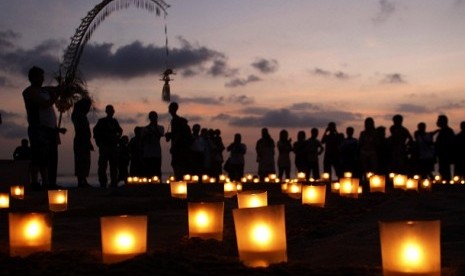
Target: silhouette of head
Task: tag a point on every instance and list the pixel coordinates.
(332, 126)
(350, 132)
(283, 135)
(314, 132)
(36, 76)
(237, 138)
(421, 127)
(196, 129)
(110, 110)
(173, 108)
(153, 116)
(369, 123)
(265, 133)
(397, 120)
(124, 140)
(443, 121)
(82, 106)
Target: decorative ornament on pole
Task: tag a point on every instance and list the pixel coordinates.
(165, 95)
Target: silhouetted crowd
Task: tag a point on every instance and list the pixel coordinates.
(199, 151)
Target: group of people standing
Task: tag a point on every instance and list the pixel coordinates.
(199, 150)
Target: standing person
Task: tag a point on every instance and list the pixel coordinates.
(236, 159)
(198, 150)
(314, 149)
(151, 152)
(459, 167)
(107, 133)
(22, 152)
(181, 139)
(284, 149)
(332, 140)
(350, 153)
(444, 146)
(400, 141)
(301, 159)
(424, 151)
(368, 142)
(82, 144)
(265, 154)
(217, 153)
(42, 129)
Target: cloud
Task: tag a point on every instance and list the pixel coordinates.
(412, 108)
(102, 60)
(305, 106)
(10, 129)
(394, 78)
(242, 82)
(202, 100)
(325, 73)
(241, 99)
(386, 9)
(5, 82)
(265, 66)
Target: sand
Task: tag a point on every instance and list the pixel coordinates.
(340, 239)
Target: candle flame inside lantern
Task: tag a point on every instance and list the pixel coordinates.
(262, 234)
(17, 191)
(32, 230)
(201, 219)
(124, 241)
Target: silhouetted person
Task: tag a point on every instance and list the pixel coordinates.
(424, 151)
(400, 141)
(236, 159)
(136, 167)
(82, 145)
(123, 159)
(367, 142)
(459, 167)
(181, 139)
(217, 148)
(198, 151)
(42, 129)
(107, 133)
(265, 154)
(383, 151)
(350, 153)
(22, 152)
(284, 149)
(332, 140)
(151, 135)
(300, 150)
(314, 149)
(444, 146)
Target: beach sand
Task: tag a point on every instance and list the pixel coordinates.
(340, 239)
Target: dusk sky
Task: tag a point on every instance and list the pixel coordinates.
(242, 65)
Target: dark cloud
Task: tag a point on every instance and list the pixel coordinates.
(202, 100)
(386, 9)
(325, 73)
(103, 60)
(240, 99)
(265, 66)
(394, 78)
(11, 129)
(412, 108)
(222, 117)
(285, 118)
(232, 99)
(242, 82)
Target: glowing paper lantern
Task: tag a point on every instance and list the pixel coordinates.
(294, 190)
(410, 247)
(301, 176)
(349, 187)
(17, 191)
(314, 195)
(347, 174)
(4, 200)
(187, 177)
(411, 184)
(58, 200)
(261, 235)
(206, 220)
(335, 187)
(325, 176)
(239, 186)
(179, 189)
(195, 179)
(29, 233)
(377, 183)
(252, 199)
(222, 178)
(426, 184)
(284, 187)
(123, 237)
(230, 189)
(399, 181)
